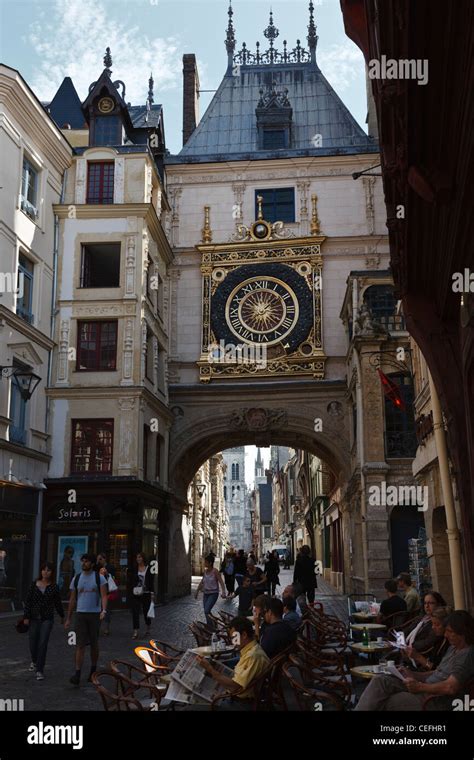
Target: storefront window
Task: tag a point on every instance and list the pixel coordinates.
(16, 541)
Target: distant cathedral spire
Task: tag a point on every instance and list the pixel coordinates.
(259, 471)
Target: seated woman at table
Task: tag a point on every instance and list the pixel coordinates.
(420, 634)
(432, 658)
(387, 692)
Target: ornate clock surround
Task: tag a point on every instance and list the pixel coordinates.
(265, 279)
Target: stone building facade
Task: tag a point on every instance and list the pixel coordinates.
(235, 495)
(35, 157)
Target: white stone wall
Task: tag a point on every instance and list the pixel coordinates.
(351, 213)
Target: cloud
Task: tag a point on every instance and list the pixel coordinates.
(342, 65)
(70, 40)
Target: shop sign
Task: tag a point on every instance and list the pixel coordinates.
(70, 514)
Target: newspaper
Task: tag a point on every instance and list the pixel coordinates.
(192, 684)
(392, 670)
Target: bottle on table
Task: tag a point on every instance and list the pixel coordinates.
(365, 637)
(214, 642)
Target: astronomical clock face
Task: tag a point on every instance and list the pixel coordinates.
(266, 304)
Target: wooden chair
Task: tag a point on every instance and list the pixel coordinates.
(164, 658)
(201, 633)
(151, 660)
(306, 696)
(120, 694)
(174, 653)
(325, 675)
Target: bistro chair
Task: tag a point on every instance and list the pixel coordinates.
(151, 660)
(120, 694)
(325, 675)
(174, 653)
(201, 633)
(306, 696)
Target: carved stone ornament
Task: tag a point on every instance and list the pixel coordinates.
(365, 324)
(257, 418)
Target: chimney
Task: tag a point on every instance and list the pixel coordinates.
(190, 96)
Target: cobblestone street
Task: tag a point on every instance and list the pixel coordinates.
(55, 693)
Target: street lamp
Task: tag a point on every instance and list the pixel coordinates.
(201, 489)
(25, 381)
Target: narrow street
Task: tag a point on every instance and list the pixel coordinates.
(170, 624)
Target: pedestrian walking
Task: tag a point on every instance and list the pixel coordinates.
(272, 570)
(240, 566)
(108, 572)
(142, 594)
(304, 576)
(228, 571)
(286, 566)
(210, 582)
(42, 599)
(89, 598)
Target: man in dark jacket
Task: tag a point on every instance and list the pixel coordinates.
(275, 634)
(303, 574)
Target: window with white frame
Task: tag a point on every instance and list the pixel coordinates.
(29, 189)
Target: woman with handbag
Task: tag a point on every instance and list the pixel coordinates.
(142, 594)
(108, 571)
(42, 599)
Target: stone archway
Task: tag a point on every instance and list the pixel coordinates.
(211, 419)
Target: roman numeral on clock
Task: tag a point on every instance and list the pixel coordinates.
(287, 322)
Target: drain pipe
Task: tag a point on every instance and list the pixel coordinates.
(360, 436)
(454, 544)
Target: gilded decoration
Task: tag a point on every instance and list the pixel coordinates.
(261, 305)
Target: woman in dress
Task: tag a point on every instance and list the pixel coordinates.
(210, 582)
(42, 599)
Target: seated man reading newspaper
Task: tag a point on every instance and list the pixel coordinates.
(252, 663)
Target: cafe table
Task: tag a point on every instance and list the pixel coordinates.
(365, 671)
(372, 649)
(363, 617)
(369, 626)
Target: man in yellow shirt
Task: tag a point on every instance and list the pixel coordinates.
(252, 663)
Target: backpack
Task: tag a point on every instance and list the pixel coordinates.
(97, 580)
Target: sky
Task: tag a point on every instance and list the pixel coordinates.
(47, 40)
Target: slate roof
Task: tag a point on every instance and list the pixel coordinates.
(65, 107)
(138, 114)
(228, 129)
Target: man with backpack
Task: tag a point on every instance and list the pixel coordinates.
(89, 590)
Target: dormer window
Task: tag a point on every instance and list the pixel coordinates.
(107, 130)
(273, 139)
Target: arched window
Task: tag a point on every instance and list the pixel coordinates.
(235, 471)
(225, 492)
(383, 305)
(400, 436)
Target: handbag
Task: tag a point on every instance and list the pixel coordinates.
(151, 610)
(113, 589)
(138, 590)
(21, 626)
